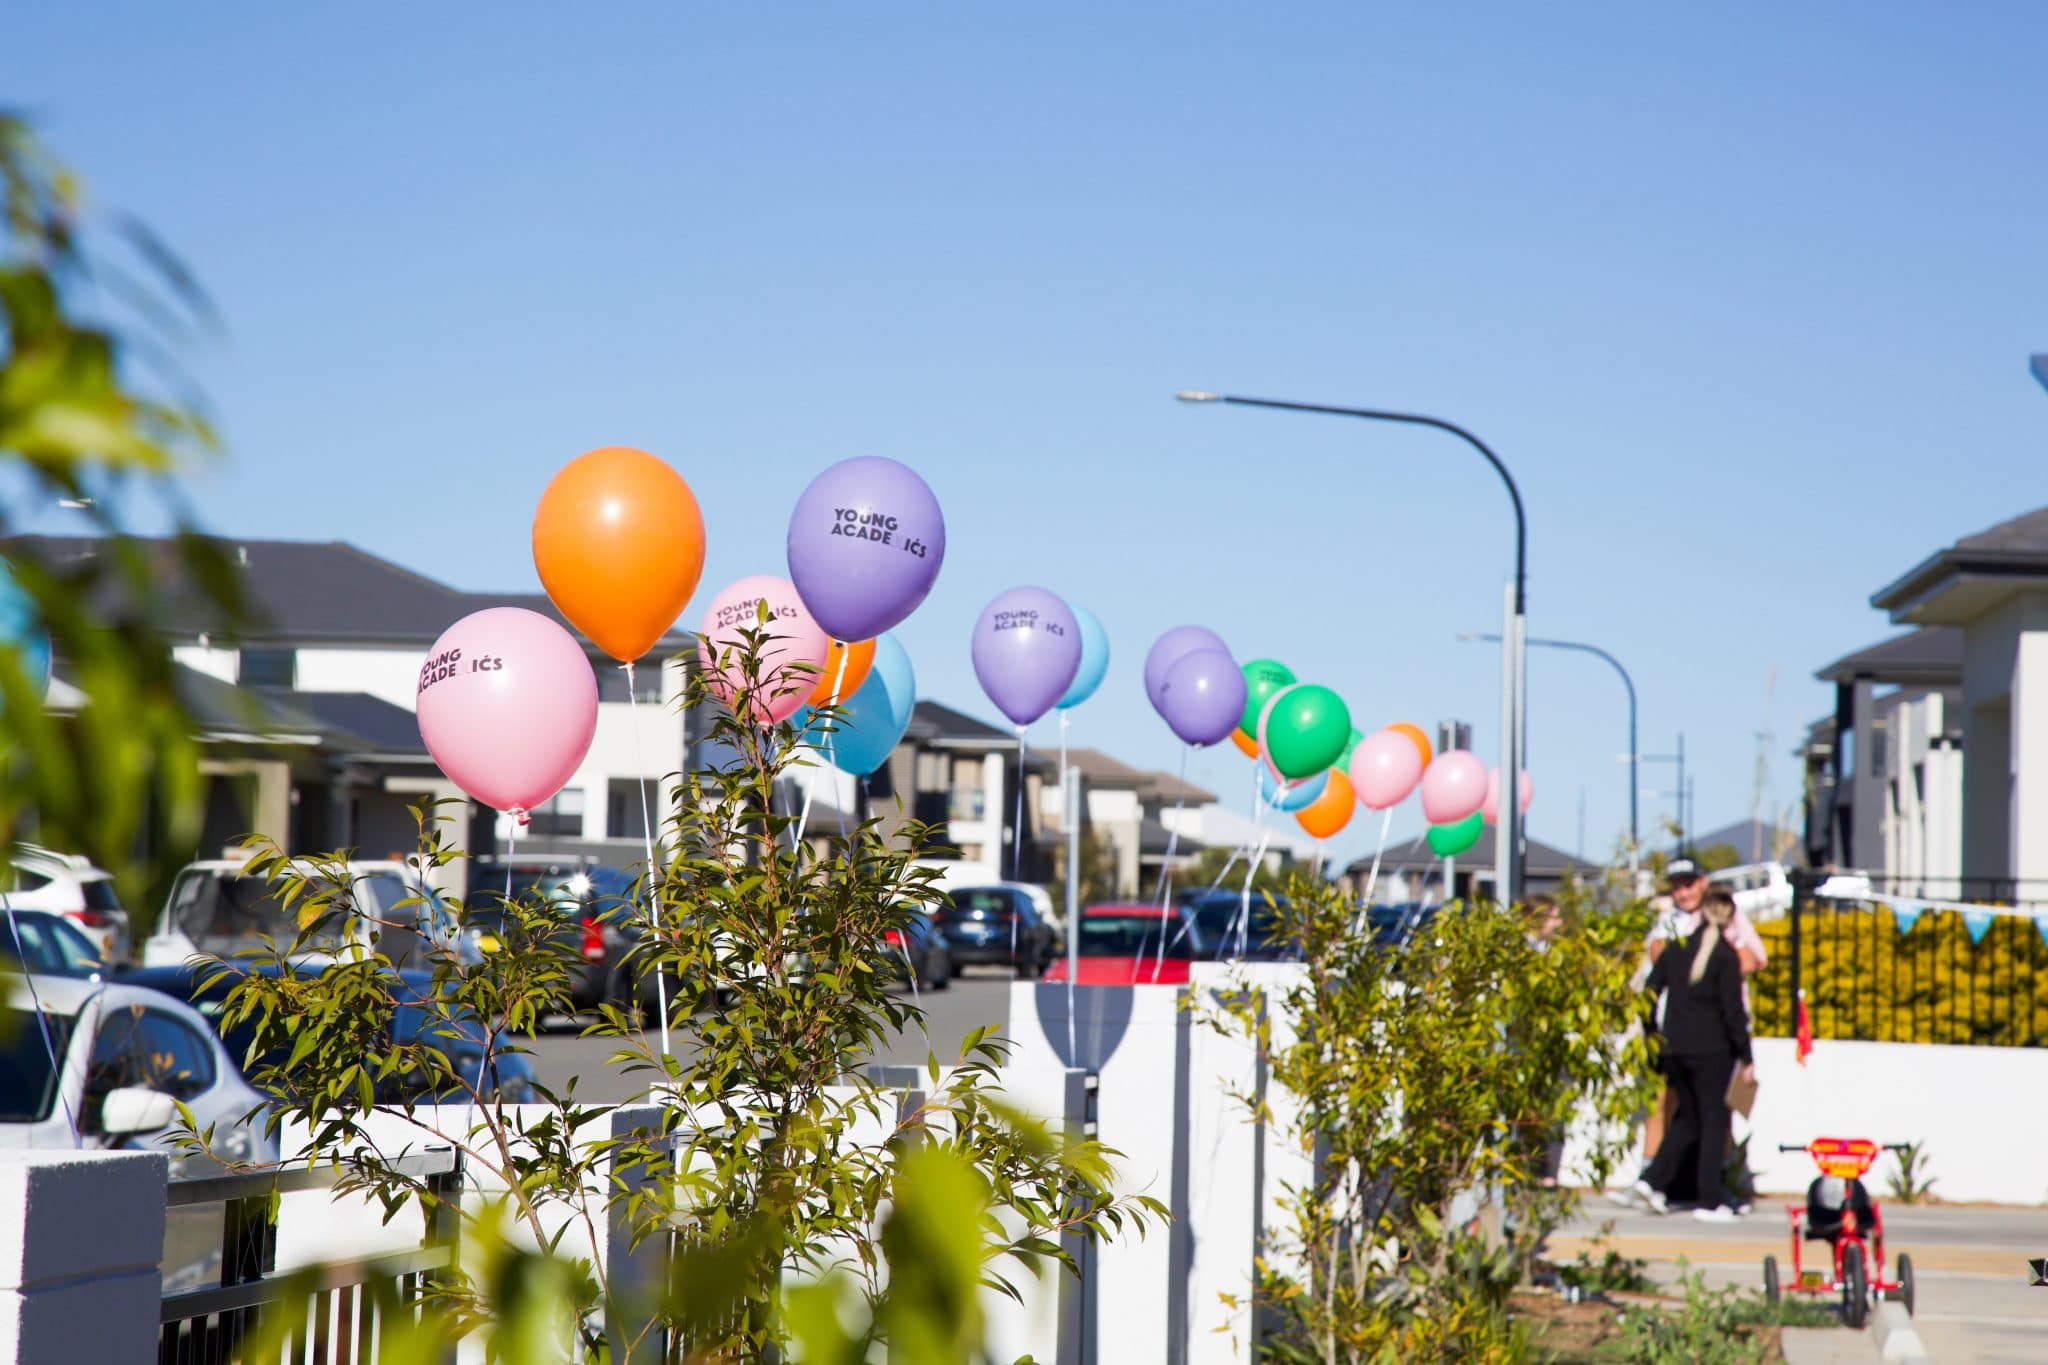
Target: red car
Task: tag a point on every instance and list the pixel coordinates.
(1120, 946)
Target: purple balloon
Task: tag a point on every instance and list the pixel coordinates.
(865, 544)
(1203, 696)
(1168, 650)
(1027, 648)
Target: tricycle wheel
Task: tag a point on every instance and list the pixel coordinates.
(1771, 1280)
(1855, 1286)
(1905, 1294)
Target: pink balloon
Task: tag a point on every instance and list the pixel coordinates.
(1384, 768)
(1490, 807)
(1453, 787)
(795, 639)
(507, 705)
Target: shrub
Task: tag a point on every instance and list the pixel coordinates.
(1423, 1073)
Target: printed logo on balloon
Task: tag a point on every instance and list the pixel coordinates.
(507, 705)
(1026, 651)
(792, 648)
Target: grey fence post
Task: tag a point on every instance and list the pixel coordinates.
(80, 1237)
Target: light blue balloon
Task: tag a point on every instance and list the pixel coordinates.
(1094, 658)
(872, 721)
(21, 630)
(1297, 797)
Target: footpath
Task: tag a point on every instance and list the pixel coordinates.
(1970, 1262)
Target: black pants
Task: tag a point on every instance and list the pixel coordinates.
(1699, 1132)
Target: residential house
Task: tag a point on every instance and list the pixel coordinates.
(1967, 764)
(1884, 774)
(1127, 809)
(310, 702)
(1411, 871)
(960, 775)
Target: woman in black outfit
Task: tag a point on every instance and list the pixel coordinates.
(1706, 1036)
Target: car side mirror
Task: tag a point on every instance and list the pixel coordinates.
(136, 1109)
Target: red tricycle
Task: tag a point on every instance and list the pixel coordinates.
(1839, 1211)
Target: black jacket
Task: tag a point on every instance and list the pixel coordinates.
(1702, 1018)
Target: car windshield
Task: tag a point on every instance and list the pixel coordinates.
(28, 1081)
(1217, 914)
(980, 904)
(1125, 935)
(220, 910)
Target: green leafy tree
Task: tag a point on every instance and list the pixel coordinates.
(1424, 1073)
(95, 415)
(774, 1156)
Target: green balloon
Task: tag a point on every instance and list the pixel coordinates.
(1262, 678)
(1448, 841)
(1343, 763)
(1306, 730)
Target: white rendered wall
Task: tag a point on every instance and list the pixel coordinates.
(1975, 1108)
(225, 664)
(392, 675)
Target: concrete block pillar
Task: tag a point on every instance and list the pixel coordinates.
(80, 1237)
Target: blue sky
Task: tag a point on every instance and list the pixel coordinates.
(1744, 297)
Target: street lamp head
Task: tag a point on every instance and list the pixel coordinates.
(1198, 396)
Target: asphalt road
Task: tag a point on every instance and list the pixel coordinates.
(972, 1001)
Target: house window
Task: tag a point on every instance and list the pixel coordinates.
(611, 683)
(269, 668)
(623, 816)
(561, 815)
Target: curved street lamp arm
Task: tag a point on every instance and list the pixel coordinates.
(1417, 419)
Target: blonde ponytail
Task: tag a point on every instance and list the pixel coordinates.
(1717, 907)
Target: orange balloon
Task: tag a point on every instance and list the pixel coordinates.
(619, 543)
(833, 686)
(1415, 737)
(1246, 745)
(1331, 811)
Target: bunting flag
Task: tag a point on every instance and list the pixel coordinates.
(1905, 915)
(1802, 1033)
(2041, 923)
(1978, 922)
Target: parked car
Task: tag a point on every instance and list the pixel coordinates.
(124, 1057)
(48, 943)
(927, 955)
(595, 904)
(1399, 922)
(1129, 945)
(508, 1077)
(999, 925)
(218, 907)
(72, 887)
(1217, 912)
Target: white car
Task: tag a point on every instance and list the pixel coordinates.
(219, 908)
(123, 1057)
(72, 887)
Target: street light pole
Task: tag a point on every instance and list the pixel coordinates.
(1514, 662)
(1634, 755)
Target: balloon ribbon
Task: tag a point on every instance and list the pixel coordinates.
(647, 840)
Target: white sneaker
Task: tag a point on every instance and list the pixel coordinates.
(1720, 1213)
(1643, 1196)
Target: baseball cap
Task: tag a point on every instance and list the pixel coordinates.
(1681, 870)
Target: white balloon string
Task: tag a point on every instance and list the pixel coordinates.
(647, 843)
(1372, 878)
(1180, 806)
(811, 787)
(1017, 848)
(1073, 929)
